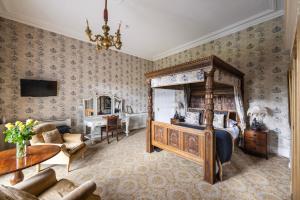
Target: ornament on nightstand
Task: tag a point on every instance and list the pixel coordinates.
(257, 115)
(256, 125)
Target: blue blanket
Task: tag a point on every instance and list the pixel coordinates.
(223, 142)
(223, 145)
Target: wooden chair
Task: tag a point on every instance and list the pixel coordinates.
(111, 126)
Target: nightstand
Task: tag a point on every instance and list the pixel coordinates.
(256, 142)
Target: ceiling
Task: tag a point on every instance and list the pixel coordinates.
(151, 29)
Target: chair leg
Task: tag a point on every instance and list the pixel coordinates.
(107, 137)
(68, 165)
(117, 135)
(38, 168)
(101, 134)
(82, 155)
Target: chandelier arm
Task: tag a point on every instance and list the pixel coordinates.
(114, 40)
(106, 40)
(98, 37)
(92, 39)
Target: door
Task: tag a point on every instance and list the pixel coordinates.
(294, 92)
(164, 105)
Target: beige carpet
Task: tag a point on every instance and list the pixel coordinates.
(124, 171)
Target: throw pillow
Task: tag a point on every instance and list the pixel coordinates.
(192, 118)
(53, 137)
(218, 120)
(10, 193)
(225, 113)
(64, 129)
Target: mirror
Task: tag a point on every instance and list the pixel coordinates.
(103, 105)
(129, 110)
(89, 107)
(118, 105)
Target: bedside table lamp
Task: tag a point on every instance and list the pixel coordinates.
(257, 115)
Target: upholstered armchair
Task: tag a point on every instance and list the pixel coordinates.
(45, 186)
(71, 145)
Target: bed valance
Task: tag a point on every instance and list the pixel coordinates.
(224, 77)
(179, 78)
(194, 71)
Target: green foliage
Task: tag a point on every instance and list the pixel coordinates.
(19, 132)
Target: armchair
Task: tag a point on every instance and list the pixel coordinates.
(71, 148)
(45, 186)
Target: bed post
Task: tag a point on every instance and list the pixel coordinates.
(210, 140)
(149, 146)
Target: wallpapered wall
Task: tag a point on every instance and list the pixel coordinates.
(28, 52)
(257, 51)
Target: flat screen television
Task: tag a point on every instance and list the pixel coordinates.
(38, 88)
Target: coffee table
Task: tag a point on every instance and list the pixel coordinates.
(35, 155)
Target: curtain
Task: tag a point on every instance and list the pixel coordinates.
(187, 96)
(240, 110)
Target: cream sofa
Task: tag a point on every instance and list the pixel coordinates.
(45, 186)
(71, 148)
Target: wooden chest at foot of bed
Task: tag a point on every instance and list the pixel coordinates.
(256, 142)
(186, 142)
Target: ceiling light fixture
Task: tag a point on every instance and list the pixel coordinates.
(105, 41)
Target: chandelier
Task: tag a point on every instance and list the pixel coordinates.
(105, 41)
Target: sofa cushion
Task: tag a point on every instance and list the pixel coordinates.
(37, 138)
(53, 137)
(38, 130)
(74, 147)
(60, 190)
(10, 193)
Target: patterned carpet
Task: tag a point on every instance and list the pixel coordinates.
(124, 171)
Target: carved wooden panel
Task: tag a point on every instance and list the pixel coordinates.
(159, 134)
(191, 143)
(174, 138)
(186, 142)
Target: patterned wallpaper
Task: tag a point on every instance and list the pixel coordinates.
(28, 52)
(257, 51)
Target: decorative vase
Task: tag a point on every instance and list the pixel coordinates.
(21, 149)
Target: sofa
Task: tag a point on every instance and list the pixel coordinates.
(45, 186)
(72, 145)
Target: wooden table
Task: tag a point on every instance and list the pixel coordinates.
(35, 155)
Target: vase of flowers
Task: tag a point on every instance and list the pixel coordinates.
(20, 133)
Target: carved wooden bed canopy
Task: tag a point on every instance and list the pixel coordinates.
(208, 73)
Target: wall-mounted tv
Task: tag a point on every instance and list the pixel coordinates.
(38, 88)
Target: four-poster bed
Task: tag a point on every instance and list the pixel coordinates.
(206, 82)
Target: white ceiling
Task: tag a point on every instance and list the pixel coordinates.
(156, 28)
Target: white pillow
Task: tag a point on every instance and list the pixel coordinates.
(192, 118)
(218, 120)
(231, 123)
